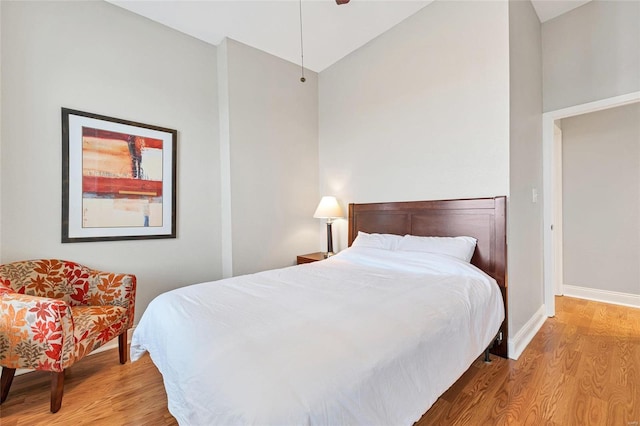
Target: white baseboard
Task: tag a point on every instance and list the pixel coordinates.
(111, 344)
(518, 343)
(605, 296)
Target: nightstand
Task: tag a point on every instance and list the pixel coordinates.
(311, 257)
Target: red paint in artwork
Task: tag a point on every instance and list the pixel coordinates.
(121, 187)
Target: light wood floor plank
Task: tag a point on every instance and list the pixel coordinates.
(582, 368)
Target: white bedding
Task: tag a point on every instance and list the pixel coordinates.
(368, 336)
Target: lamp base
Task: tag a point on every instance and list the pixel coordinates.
(329, 240)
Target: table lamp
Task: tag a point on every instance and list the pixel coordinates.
(328, 209)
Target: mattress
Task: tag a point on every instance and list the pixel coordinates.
(368, 336)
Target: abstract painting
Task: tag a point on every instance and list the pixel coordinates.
(119, 179)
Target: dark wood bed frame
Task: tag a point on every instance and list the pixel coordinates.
(481, 218)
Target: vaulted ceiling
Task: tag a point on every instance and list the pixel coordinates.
(330, 32)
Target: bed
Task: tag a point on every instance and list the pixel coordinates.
(373, 335)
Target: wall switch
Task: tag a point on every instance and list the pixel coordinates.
(534, 195)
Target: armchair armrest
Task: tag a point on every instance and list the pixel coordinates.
(35, 332)
(107, 288)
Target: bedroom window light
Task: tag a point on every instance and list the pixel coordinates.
(329, 209)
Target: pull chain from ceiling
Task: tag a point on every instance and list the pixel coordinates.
(302, 79)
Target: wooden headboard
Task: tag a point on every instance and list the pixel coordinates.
(481, 218)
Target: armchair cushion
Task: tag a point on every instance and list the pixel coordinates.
(95, 326)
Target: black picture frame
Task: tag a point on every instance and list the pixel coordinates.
(118, 179)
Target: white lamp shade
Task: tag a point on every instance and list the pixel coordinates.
(328, 208)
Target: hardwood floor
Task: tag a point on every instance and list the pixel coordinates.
(582, 368)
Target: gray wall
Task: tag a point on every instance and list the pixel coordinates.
(0, 133)
(421, 112)
(525, 164)
(253, 194)
(591, 53)
(273, 159)
(96, 57)
(601, 200)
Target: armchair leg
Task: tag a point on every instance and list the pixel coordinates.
(5, 382)
(122, 347)
(57, 386)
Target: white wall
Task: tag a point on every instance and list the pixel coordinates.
(0, 133)
(421, 112)
(601, 200)
(96, 57)
(273, 159)
(525, 260)
(591, 53)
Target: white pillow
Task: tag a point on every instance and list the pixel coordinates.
(381, 241)
(460, 247)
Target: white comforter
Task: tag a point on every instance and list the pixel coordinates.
(368, 336)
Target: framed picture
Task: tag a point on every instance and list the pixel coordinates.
(118, 179)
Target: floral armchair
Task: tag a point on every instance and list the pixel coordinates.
(54, 312)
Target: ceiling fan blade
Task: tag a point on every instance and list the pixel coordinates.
(342, 1)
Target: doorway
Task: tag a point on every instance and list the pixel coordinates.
(552, 185)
